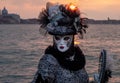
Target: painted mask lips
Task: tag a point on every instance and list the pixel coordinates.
(61, 47)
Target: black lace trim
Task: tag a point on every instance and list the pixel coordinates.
(76, 64)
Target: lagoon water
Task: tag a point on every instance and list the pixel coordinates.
(21, 47)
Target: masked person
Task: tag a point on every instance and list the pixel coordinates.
(63, 62)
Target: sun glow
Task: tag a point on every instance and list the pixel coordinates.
(72, 7)
(76, 42)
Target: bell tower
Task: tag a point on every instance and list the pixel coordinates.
(0, 12)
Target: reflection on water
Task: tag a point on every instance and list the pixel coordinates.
(21, 47)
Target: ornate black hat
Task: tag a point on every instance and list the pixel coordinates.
(59, 19)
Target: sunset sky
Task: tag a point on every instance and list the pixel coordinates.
(93, 9)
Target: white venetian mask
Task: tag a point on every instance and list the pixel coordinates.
(63, 43)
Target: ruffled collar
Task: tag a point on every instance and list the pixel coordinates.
(73, 59)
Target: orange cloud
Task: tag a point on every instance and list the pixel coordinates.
(93, 8)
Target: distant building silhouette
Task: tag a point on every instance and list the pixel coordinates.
(108, 19)
(5, 17)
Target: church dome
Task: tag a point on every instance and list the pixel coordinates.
(4, 11)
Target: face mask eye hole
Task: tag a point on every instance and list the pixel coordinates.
(57, 38)
(66, 38)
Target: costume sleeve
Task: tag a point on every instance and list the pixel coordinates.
(46, 70)
(38, 78)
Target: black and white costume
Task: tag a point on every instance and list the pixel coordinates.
(63, 62)
(56, 68)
